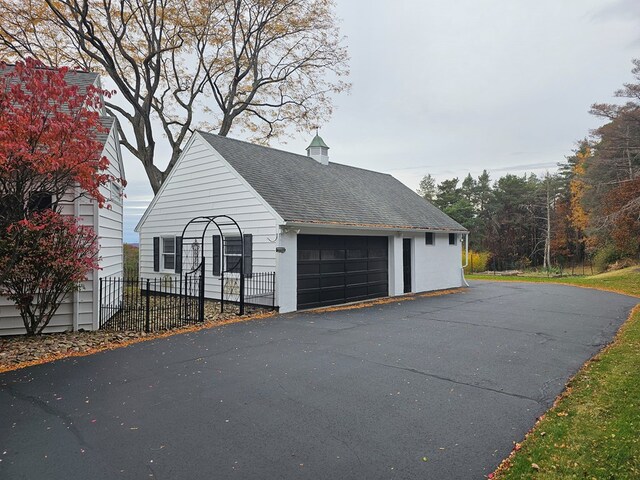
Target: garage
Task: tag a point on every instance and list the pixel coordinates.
(336, 269)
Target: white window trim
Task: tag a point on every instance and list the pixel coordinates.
(162, 254)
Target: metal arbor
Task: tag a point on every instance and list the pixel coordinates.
(191, 254)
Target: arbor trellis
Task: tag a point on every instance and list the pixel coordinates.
(196, 247)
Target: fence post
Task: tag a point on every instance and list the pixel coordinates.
(100, 306)
(273, 290)
(147, 319)
(222, 292)
(201, 293)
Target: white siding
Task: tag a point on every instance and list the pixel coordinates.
(437, 266)
(203, 184)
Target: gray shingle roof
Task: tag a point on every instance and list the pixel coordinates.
(73, 77)
(302, 190)
(82, 80)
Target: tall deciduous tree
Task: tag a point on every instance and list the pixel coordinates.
(261, 65)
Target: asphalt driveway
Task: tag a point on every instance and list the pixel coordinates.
(434, 387)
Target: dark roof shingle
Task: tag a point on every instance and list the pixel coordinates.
(302, 190)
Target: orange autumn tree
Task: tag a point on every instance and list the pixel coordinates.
(49, 153)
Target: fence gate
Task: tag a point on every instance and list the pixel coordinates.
(192, 293)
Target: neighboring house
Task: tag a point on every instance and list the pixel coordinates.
(332, 233)
(81, 310)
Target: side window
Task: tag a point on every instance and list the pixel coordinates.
(452, 239)
(116, 193)
(40, 201)
(232, 253)
(429, 238)
(168, 253)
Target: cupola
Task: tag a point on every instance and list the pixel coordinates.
(318, 150)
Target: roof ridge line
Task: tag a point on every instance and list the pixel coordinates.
(288, 152)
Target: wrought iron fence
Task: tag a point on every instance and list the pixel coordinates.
(259, 289)
(139, 304)
(149, 304)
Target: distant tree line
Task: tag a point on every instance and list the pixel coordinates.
(589, 209)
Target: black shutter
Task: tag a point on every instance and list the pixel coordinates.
(216, 255)
(248, 254)
(178, 262)
(156, 254)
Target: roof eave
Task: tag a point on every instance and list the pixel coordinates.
(365, 226)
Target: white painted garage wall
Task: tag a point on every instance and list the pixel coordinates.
(437, 266)
(434, 267)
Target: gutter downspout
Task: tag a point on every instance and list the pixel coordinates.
(466, 259)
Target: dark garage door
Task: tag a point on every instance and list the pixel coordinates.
(340, 269)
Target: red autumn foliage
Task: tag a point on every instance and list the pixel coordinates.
(48, 137)
(53, 256)
(49, 154)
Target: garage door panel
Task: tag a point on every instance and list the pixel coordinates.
(331, 267)
(357, 278)
(308, 283)
(308, 299)
(332, 294)
(357, 292)
(378, 277)
(332, 281)
(378, 265)
(378, 290)
(357, 266)
(338, 269)
(308, 269)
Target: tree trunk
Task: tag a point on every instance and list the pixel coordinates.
(547, 239)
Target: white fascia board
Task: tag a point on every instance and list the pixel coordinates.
(340, 226)
(116, 134)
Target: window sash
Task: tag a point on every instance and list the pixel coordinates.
(233, 254)
(168, 253)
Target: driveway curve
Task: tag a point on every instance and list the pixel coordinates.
(434, 387)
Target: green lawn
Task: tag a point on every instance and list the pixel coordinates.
(593, 431)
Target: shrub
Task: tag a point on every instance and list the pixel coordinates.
(478, 261)
(51, 255)
(605, 257)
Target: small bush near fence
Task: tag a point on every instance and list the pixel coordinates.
(478, 261)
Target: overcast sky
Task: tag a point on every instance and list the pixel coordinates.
(450, 88)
